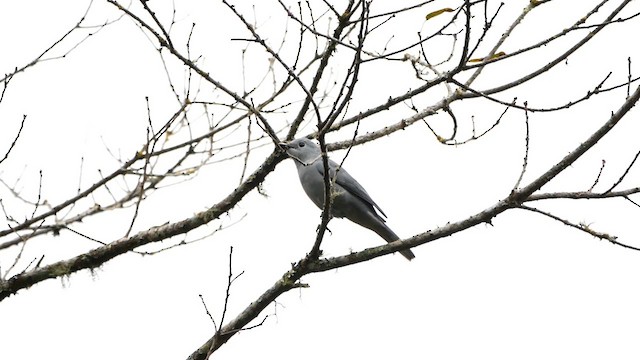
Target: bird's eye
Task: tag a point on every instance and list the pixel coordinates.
(301, 144)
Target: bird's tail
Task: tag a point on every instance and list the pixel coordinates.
(386, 233)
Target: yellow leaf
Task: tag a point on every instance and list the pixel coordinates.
(495, 56)
(438, 12)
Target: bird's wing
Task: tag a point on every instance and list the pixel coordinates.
(348, 183)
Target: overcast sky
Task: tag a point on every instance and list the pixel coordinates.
(524, 287)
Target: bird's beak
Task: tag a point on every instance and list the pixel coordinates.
(284, 146)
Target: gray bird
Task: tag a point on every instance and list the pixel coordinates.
(350, 198)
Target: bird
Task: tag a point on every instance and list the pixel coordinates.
(350, 200)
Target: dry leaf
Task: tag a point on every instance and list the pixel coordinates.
(438, 12)
(495, 56)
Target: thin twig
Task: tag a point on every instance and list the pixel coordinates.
(6, 154)
(525, 162)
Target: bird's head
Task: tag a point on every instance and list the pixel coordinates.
(303, 150)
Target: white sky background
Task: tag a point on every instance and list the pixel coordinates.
(525, 288)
